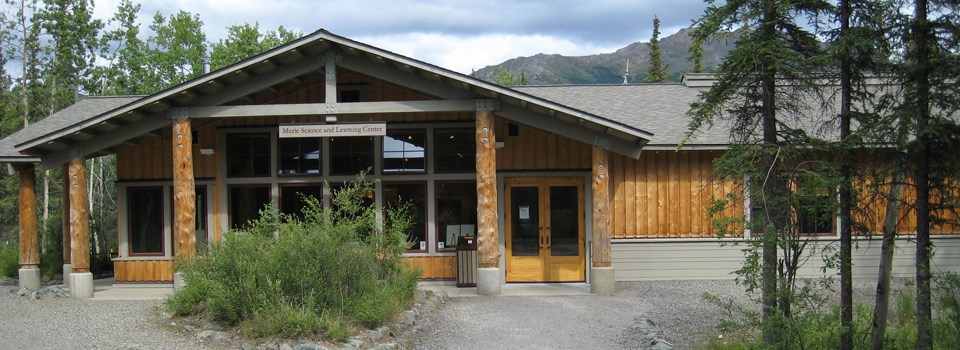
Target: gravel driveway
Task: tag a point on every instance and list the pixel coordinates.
(52, 323)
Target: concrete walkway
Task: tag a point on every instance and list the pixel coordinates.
(509, 290)
(107, 289)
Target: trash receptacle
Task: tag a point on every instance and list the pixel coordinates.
(467, 261)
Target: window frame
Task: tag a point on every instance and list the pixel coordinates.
(436, 209)
(383, 151)
(165, 235)
(279, 158)
(437, 154)
(426, 209)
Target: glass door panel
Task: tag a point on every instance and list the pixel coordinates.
(525, 211)
(564, 221)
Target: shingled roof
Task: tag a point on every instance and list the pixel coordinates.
(82, 110)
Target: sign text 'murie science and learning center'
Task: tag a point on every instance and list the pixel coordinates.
(332, 130)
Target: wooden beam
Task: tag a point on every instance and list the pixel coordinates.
(65, 213)
(79, 216)
(184, 194)
(487, 222)
(29, 242)
(330, 73)
(384, 107)
(601, 208)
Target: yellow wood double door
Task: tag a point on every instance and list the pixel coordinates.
(544, 229)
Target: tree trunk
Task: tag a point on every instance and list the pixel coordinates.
(919, 81)
(771, 187)
(846, 200)
(892, 216)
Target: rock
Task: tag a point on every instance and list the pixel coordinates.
(247, 346)
(661, 344)
(309, 346)
(214, 335)
(353, 344)
(52, 291)
(387, 346)
(24, 291)
(285, 346)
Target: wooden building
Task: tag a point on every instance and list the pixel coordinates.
(559, 183)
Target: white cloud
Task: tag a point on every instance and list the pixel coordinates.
(463, 53)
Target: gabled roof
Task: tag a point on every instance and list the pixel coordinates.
(94, 131)
(75, 113)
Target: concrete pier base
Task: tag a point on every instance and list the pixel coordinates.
(30, 278)
(178, 281)
(67, 269)
(488, 281)
(601, 280)
(81, 285)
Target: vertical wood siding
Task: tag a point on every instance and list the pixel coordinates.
(665, 194)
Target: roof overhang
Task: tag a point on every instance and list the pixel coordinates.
(240, 83)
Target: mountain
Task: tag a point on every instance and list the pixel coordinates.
(608, 68)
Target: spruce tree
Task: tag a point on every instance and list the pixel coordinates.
(748, 97)
(657, 72)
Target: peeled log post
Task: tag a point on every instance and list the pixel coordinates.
(184, 193)
(601, 208)
(29, 243)
(79, 217)
(65, 216)
(487, 225)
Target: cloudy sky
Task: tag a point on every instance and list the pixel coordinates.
(455, 34)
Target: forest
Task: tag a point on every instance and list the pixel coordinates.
(55, 52)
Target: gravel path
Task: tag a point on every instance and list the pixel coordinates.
(51, 323)
(580, 322)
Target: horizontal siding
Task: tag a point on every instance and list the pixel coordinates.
(653, 260)
(143, 270)
(435, 267)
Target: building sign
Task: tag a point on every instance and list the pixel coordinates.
(333, 130)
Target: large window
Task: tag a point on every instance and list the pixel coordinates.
(455, 151)
(414, 194)
(404, 151)
(351, 155)
(299, 156)
(248, 155)
(293, 197)
(456, 205)
(246, 202)
(145, 217)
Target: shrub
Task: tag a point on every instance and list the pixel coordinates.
(946, 326)
(9, 259)
(331, 270)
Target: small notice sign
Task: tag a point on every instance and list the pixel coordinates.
(524, 213)
(333, 130)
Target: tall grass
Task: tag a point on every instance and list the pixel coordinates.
(9, 259)
(815, 324)
(331, 270)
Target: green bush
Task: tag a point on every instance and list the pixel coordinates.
(330, 270)
(9, 259)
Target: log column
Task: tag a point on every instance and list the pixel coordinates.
(65, 223)
(81, 280)
(184, 194)
(488, 255)
(29, 242)
(601, 270)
